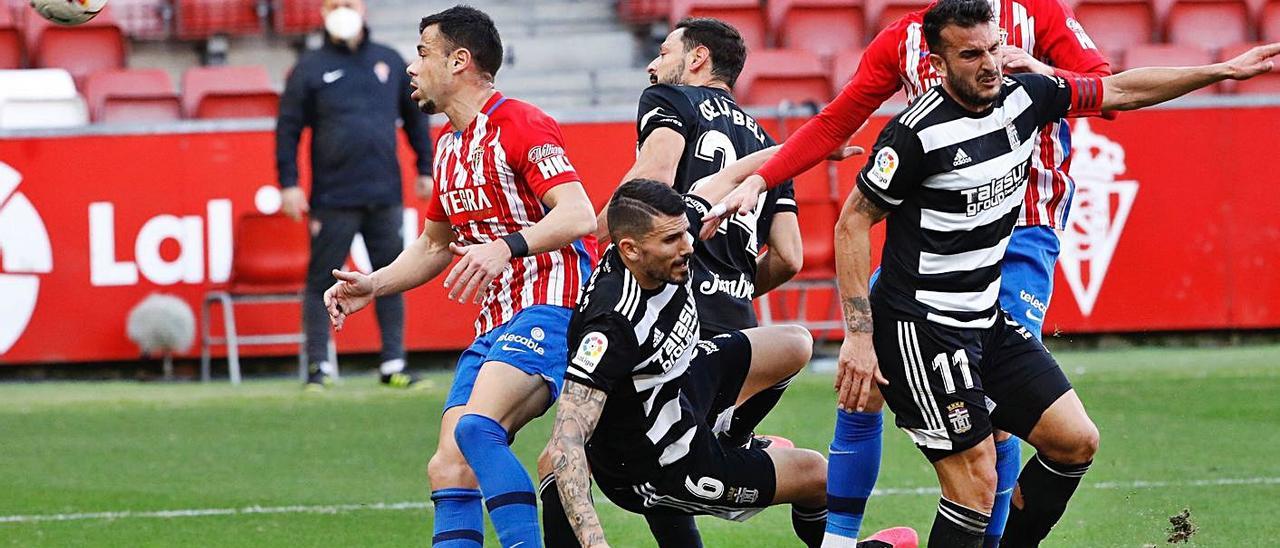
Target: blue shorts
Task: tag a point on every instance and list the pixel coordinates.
(1026, 277)
(535, 341)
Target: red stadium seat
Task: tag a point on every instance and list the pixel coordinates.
(643, 11)
(882, 13)
(142, 19)
(810, 298)
(10, 40)
(1115, 25)
(199, 19)
(745, 15)
(771, 76)
(843, 66)
(137, 95)
(817, 229)
(269, 265)
(82, 49)
(823, 27)
(296, 16)
(1169, 55)
(1263, 83)
(228, 92)
(1210, 24)
(1269, 22)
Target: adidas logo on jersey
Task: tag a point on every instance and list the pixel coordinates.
(961, 158)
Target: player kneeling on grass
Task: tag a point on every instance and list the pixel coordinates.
(643, 396)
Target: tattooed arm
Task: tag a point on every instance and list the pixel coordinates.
(857, 366)
(580, 408)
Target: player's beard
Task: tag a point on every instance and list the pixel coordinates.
(968, 91)
(427, 107)
(672, 78)
(671, 275)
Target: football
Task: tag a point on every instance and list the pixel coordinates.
(68, 12)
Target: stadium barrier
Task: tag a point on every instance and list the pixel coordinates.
(1174, 227)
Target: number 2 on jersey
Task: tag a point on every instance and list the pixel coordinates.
(716, 148)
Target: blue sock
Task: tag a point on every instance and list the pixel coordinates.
(852, 468)
(459, 519)
(508, 491)
(1008, 466)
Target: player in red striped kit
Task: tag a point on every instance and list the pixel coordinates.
(509, 203)
(1039, 36)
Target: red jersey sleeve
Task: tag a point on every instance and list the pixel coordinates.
(435, 210)
(874, 82)
(1062, 41)
(535, 150)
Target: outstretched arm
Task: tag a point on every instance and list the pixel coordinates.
(580, 408)
(735, 190)
(1143, 87)
(423, 260)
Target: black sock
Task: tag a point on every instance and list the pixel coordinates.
(556, 530)
(809, 524)
(956, 526)
(1045, 486)
(674, 531)
(748, 415)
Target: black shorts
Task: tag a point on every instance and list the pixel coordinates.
(727, 482)
(719, 368)
(950, 386)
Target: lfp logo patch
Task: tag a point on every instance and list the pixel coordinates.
(591, 351)
(886, 164)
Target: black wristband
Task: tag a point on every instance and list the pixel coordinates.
(519, 247)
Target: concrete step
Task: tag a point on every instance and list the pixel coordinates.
(511, 19)
(552, 54)
(407, 30)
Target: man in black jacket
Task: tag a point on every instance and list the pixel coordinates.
(350, 92)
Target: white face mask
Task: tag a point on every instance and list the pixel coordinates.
(343, 23)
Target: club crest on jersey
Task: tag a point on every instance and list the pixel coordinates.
(959, 417)
(591, 351)
(382, 71)
(1014, 140)
(886, 164)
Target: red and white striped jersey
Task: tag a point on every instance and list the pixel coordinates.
(490, 180)
(898, 58)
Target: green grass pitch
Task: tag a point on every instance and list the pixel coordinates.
(129, 464)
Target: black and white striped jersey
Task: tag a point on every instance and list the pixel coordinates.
(636, 345)
(717, 132)
(953, 181)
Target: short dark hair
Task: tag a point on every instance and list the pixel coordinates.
(636, 203)
(962, 13)
(728, 50)
(466, 27)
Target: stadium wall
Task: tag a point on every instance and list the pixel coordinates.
(1174, 227)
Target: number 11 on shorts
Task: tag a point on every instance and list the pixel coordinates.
(960, 361)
